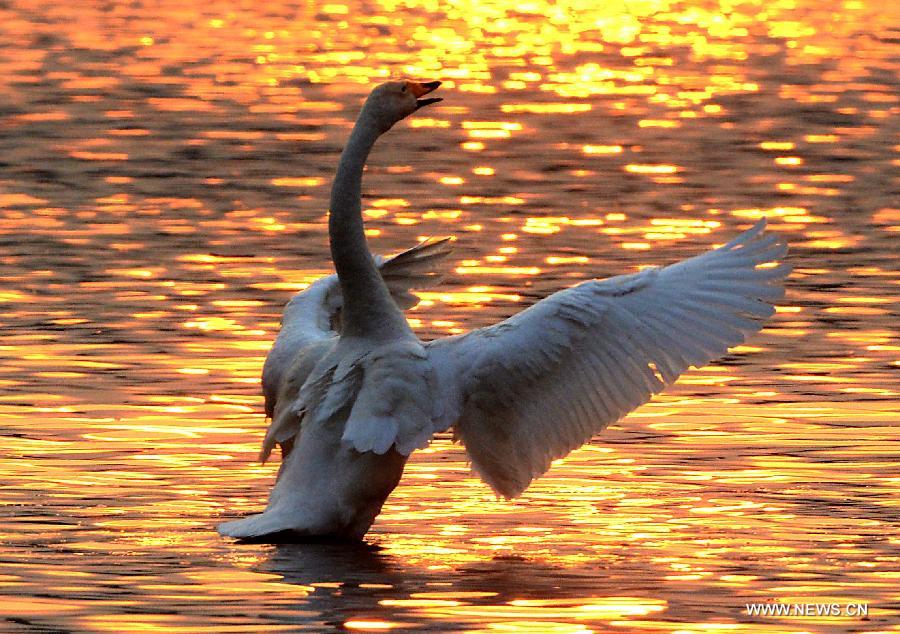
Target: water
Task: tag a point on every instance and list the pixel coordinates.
(164, 170)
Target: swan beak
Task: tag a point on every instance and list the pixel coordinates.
(420, 89)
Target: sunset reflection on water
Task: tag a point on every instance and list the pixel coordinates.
(165, 172)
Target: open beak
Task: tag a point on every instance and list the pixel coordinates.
(420, 89)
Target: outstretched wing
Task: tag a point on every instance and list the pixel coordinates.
(314, 314)
(530, 389)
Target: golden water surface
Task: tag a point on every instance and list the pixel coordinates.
(164, 169)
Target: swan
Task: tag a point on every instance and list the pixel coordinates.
(518, 394)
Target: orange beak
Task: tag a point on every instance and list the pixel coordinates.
(420, 89)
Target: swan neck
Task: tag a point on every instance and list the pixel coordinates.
(365, 295)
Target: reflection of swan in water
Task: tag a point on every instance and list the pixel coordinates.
(347, 563)
(360, 582)
(518, 394)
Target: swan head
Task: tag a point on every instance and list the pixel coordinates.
(395, 100)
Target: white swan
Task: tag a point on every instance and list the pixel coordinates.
(518, 394)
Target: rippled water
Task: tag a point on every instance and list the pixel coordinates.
(164, 169)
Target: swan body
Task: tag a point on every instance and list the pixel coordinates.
(518, 394)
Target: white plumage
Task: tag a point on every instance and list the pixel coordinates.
(518, 394)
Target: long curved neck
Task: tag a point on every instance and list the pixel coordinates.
(367, 303)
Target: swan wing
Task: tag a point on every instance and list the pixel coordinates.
(285, 423)
(532, 388)
(381, 397)
(417, 267)
(392, 404)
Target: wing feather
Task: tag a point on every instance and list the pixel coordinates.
(530, 389)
